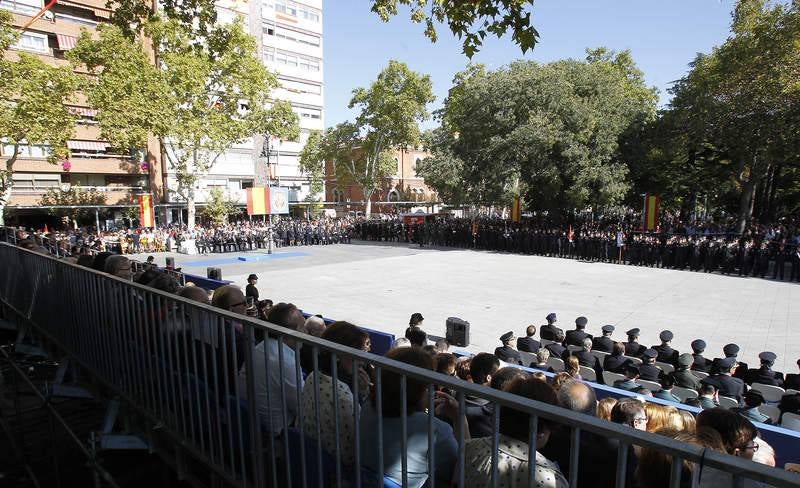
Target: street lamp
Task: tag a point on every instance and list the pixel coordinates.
(268, 149)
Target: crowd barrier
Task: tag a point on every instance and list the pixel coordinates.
(173, 362)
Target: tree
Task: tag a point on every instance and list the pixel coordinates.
(311, 164)
(549, 132)
(75, 196)
(218, 207)
(361, 151)
(471, 20)
(32, 110)
(207, 93)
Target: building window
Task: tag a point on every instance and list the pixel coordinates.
(269, 55)
(31, 41)
(301, 87)
(28, 150)
(288, 7)
(25, 7)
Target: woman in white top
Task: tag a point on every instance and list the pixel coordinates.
(346, 334)
(513, 462)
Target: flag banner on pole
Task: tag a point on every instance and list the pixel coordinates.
(516, 210)
(146, 218)
(651, 212)
(258, 201)
(278, 200)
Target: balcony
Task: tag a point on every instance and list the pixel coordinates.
(114, 195)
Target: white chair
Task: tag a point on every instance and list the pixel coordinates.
(572, 348)
(791, 392)
(556, 363)
(771, 411)
(684, 393)
(545, 342)
(791, 421)
(666, 368)
(609, 378)
(636, 361)
(527, 358)
(588, 374)
(700, 374)
(650, 385)
(600, 355)
(772, 394)
(727, 402)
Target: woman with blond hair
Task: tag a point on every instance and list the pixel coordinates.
(662, 417)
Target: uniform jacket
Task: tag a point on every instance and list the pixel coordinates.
(740, 373)
(628, 385)
(792, 382)
(701, 363)
(548, 332)
(634, 349)
(556, 349)
(666, 354)
(702, 402)
(686, 379)
(650, 372)
(528, 344)
(666, 395)
(603, 344)
(764, 375)
(753, 415)
(615, 364)
(508, 354)
(575, 337)
(727, 385)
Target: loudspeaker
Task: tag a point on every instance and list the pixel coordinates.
(170, 263)
(214, 274)
(457, 331)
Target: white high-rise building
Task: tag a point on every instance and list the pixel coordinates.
(289, 37)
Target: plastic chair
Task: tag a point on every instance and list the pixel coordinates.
(588, 374)
(527, 358)
(545, 342)
(772, 394)
(601, 355)
(700, 374)
(791, 421)
(636, 361)
(727, 402)
(556, 363)
(684, 393)
(771, 411)
(572, 348)
(665, 367)
(609, 378)
(650, 385)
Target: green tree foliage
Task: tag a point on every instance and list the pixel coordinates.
(311, 163)
(32, 110)
(74, 196)
(219, 206)
(471, 21)
(549, 132)
(389, 113)
(733, 118)
(207, 93)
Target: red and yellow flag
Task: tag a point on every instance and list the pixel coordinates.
(258, 201)
(146, 218)
(651, 212)
(516, 210)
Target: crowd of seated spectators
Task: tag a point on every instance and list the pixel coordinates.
(344, 387)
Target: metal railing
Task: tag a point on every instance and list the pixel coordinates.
(189, 373)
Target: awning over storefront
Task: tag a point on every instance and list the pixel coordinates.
(65, 42)
(87, 145)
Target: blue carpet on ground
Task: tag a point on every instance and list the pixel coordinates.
(217, 261)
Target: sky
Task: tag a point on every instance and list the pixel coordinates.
(663, 36)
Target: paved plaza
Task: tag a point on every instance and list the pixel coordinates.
(379, 285)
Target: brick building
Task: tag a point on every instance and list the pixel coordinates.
(94, 163)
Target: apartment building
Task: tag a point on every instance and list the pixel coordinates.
(289, 37)
(94, 164)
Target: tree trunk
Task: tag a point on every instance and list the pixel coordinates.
(771, 207)
(745, 203)
(190, 210)
(367, 204)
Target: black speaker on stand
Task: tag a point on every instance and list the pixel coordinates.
(457, 331)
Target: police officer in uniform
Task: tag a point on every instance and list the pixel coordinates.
(586, 358)
(549, 331)
(632, 347)
(730, 351)
(604, 343)
(508, 351)
(648, 370)
(666, 354)
(575, 337)
(700, 363)
(764, 374)
(727, 385)
(752, 400)
(683, 376)
(556, 348)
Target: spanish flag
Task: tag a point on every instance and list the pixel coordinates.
(651, 212)
(516, 210)
(258, 201)
(146, 218)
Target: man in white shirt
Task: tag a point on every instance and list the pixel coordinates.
(267, 356)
